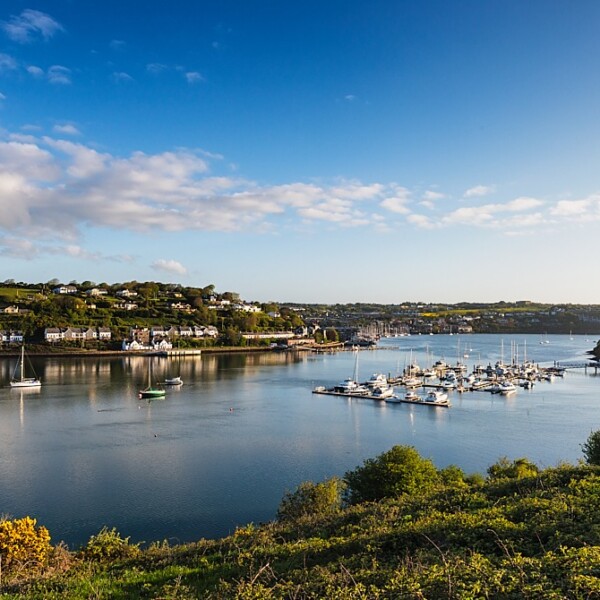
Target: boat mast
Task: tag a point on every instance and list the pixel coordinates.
(22, 362)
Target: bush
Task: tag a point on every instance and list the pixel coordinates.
(21, 542)
(504, 469)
(108, 544)
(591, 448)
(400, 470)
(311, 499)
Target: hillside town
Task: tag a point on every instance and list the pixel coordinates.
(135, 316)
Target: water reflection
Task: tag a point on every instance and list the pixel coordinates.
(84, 451)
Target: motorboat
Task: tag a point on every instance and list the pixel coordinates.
(437, 398)
(412, 396)
(382, 392)
(174, 381)
(507, 387)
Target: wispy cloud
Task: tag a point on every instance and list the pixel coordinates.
(66, 129)
(156, 68)
(117, 45)
(59, 75)
(169, 266)
(194, 77)
(7, 63)
(479, 190)
(122, 77)
(29, 25)
(35, 71)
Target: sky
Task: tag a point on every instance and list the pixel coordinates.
(318, 151)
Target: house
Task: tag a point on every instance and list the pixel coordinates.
(15, 337)
(180, 306)
(65, 289)
(53, 334)
(97, 292)
(186, 332)
(126, 305)
(140, 334)
(89, 334)
(126, 294)
(73, 333)
(158, 330)
(104, 333)
(172, 332)
(11, 310)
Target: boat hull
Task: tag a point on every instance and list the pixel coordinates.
(26, 383)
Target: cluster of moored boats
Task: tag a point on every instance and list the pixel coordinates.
(22, 380)
(442, 378)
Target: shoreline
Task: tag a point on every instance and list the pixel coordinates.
(98, 353)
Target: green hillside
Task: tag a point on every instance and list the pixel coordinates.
(517, 534)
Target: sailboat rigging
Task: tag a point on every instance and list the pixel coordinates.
(21, 381)
(150, 391)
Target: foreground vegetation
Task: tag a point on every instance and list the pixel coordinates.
(395, 527)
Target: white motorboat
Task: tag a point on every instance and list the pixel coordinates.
(174, 381)
(382, 392)
(437, 398)
(507, 387)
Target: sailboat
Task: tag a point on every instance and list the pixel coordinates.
(149, 391)
(22, 381)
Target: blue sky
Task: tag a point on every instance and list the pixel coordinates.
(337, 151)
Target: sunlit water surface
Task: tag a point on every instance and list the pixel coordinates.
(84, 451)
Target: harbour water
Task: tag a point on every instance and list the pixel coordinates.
(84, 451)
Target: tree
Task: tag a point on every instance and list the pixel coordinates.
(401, 470)
(591, 448)
(311, 499)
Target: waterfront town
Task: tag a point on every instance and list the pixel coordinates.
(151, 315)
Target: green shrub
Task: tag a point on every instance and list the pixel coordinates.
(21, 542)
(401, 470)
(108, 544)
(311, 499)
(504, 469)
(591, 448)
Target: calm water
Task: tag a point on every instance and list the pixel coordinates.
(84, 451)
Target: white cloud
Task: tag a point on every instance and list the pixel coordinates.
(60, 75)
(117, 44)
(55, 188)
(479, 190)
(122, 77)
(350, 97)
(194, 77)
(35, 71)
(421, 221)
(67, 129)
(430, 195)
(170, 266)
(7, 63)
(396, 204)
(29, 25)
(2, 96)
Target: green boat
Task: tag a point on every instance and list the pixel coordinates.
(150, 391)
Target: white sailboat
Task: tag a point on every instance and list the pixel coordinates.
(21, 381)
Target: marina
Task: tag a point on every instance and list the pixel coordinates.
(221, 450)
